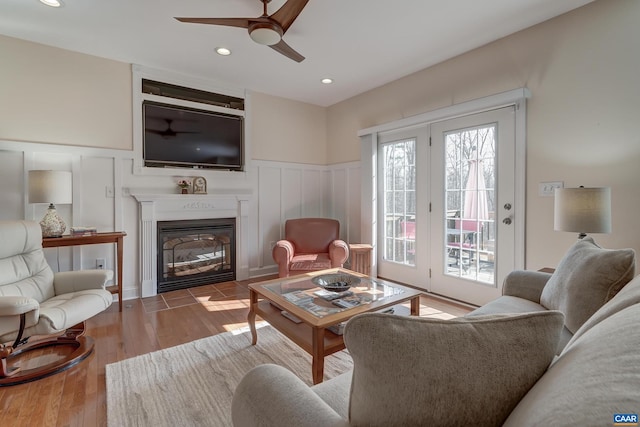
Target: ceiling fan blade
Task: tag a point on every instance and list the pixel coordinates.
(229, 22)
(287, 51)
(288, 13)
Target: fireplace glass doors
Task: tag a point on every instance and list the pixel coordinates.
(195, 252)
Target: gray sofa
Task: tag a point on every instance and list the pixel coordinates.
(556, 349)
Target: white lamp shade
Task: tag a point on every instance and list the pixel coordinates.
(583, 210)
(48, 186)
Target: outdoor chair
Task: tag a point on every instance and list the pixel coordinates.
(462, 241)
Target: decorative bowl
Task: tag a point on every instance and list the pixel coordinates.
(336, 282)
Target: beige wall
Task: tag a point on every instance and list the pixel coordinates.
(61, 97)
(287, 131)
(57, 96)
(583, 118)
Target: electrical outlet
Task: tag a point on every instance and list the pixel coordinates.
(101, 263)
(546, 189)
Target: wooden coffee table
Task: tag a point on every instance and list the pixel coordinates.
(311, 334)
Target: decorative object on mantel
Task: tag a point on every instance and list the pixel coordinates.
(199, 185)
(51, 186)
(184, 185)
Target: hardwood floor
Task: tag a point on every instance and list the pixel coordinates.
(77, 397)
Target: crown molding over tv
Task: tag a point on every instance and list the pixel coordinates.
(176, 134)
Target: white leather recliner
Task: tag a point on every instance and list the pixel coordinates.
(39, 308)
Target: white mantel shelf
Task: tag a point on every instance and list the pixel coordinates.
(172, 207)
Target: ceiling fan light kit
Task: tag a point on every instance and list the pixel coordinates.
(265, 33)
(266, 29)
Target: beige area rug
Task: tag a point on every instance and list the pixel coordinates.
(192, 384)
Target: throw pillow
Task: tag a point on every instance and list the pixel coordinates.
(587, 277)
(465, 371)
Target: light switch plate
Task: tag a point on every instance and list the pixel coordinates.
(546, 189)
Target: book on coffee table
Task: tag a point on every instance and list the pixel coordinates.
(298, 297)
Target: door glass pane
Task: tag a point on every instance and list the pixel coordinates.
(399, 170)
(469, 249)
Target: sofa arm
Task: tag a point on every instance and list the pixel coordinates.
(525, 284)
(73, 281)
(282, 254)
(270, 395)
(338, 253)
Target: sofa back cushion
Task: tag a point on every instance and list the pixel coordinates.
(312, 235)
(595, 377)
(23, 269)
(587, 277)
(465, 371)
(628, 296)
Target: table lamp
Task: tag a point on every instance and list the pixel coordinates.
(582, 210)
(48, 186)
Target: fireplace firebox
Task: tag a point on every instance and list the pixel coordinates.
(195, 252)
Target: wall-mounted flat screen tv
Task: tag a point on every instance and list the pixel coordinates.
(175, 136)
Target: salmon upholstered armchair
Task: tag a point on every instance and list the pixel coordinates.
(310, 244)
(39, 308)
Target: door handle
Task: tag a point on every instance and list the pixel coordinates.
(507, 220)
(507, 206)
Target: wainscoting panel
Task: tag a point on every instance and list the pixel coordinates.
(291, 193)
(312, 193)
(353, 203)
(269, 213)
(339, 200)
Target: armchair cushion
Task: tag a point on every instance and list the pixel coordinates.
(66, 310)
(465, 371)
(586, 278)
(311, 235)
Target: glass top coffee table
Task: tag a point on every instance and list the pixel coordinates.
(314, 302)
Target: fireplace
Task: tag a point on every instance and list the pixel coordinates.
(159, 208)
(195, 252)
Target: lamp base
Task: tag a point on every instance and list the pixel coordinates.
(52, 225)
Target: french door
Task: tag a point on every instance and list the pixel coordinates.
(447, 205)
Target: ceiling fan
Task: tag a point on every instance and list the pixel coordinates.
(266, 29)
(168, 132)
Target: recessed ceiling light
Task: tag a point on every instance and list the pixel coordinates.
(52, 3)
(223, 51)
(327, 81)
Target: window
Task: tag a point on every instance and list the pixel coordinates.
(399, 169)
